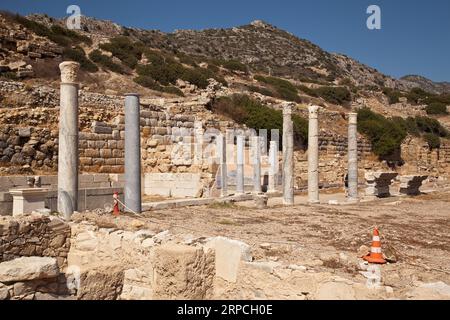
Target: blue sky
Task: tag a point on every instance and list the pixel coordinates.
(414, 39)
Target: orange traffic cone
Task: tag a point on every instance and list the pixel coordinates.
(116, 210)
(375, 255)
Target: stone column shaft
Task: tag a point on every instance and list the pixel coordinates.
(352, 157)
(256, 162)
(132, 154)
(313, 155)
(273, 173)
(68, 141)
(222, 151)
(198, 143)
(240, 165)
(288, 156)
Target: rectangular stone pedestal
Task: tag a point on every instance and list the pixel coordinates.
(28, 200)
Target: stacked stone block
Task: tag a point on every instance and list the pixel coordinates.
(410, 185)
(34, 235)
(378, 183)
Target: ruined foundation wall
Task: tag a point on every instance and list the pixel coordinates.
(34, 235)
(420, 159)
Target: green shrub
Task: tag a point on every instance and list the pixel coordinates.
(199, 77)
(385, 135)
(429, 125)
(56, 33)
(234, 65)
(213, 68)
(10, 75)
(437, 108)
(184, 58)
(148, 82)
(261, 90)
(124, 49)
(416, 95)
(308, 91)
(335, 95)
(346, 82)
(174, 90)
(392, 95)
(245, 110)
(75, 37)
(105, 61)
(77, 54)
(443, 98)
(166, 70)
(284, 89)
(409, 124)
(434, 142)
(165, 74)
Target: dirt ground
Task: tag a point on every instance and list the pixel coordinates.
(414, 231)
(415, 235)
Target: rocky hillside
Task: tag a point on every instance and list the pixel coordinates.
(415, 81)
(268, 49)
(259, 45)
(241, 74)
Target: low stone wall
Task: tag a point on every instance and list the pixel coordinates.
(34, 235)
(29, 278)
(33, 254)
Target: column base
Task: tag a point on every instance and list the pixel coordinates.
(288, 203)
(353, 200)
(313, 201)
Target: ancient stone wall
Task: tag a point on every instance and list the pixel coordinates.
(333, 160)
(29, 138)
(420, 159)
(34, 235)
(33, 252)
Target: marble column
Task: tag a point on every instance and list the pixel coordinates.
(313, 155)
(256, 162)
(352, 157)
(288, 156)
(132, 190)
(222, 152)
(240, 165)
(273, 172)
(68, 140)
(198, 143)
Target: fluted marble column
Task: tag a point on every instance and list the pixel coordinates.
(352, 157)
(256, 162)
(240, 144)
(132, 154)
(313, 155)
(288, 156)
(68, 140)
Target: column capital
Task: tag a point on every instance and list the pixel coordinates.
(131, 94)
(69, 71)
(287, 108)
(352, 118)
(313, 111)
